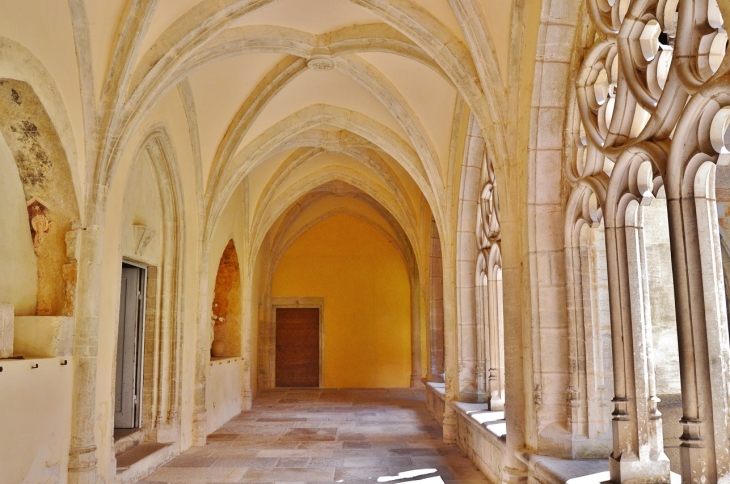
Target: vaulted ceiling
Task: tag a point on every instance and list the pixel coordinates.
(285, 94)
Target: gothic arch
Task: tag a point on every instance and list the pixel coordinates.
(161, 406)
(278, 206)
(270, 141)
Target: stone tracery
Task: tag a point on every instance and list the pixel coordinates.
(490, 321)
(632, 94)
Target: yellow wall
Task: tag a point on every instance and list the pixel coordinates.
(364, 283)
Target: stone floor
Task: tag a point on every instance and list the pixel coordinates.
(326, 436)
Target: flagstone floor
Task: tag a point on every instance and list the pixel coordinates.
(323, 435)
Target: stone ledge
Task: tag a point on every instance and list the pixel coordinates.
(482, 437)
(552, 470)
(479, 414)
(437, 387)
(44, 336)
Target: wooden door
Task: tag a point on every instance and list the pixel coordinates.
(126, 386)
(297, 347)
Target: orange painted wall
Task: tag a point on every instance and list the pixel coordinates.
(364, 283)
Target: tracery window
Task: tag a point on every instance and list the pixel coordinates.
(653, 95)
(490, 320)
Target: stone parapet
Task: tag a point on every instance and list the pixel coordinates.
(481, 436)
(436, 400)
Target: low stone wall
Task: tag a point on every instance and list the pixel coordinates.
(436, 401)
(483, 442)
(481, 437)
(480, 443)
(224, 391)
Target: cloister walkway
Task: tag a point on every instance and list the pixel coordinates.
(328, 435)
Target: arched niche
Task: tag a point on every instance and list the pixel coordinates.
(226, 310)
(46, 182)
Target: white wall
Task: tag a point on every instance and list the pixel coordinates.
(223, 391)
(35, 420)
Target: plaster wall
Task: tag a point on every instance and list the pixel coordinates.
(19, 283)
(334, 88)
(142, 206)
(223, 391)
(366, 289)
(36, 412)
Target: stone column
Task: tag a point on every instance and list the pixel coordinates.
(634, 455)
(496, 341)
(249, 307)
(482, 310)
(649, 423)
(415, 331)
(450, 345)
(202, 352)
(702, 331)
(436, 354)
(82, 459)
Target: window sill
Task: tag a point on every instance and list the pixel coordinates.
(220, 360)
(492, 421)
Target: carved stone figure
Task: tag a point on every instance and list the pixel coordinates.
(40, 224)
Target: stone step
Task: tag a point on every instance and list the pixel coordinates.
(141, 460)
(125, 440)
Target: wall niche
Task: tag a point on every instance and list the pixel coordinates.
(226, 310)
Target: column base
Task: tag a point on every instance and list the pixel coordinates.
(692, 456)
(628, 468)
(512, 475)
(200, 427)
(450, 429)
(82, 466)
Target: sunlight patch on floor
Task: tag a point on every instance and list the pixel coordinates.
(407, 474)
